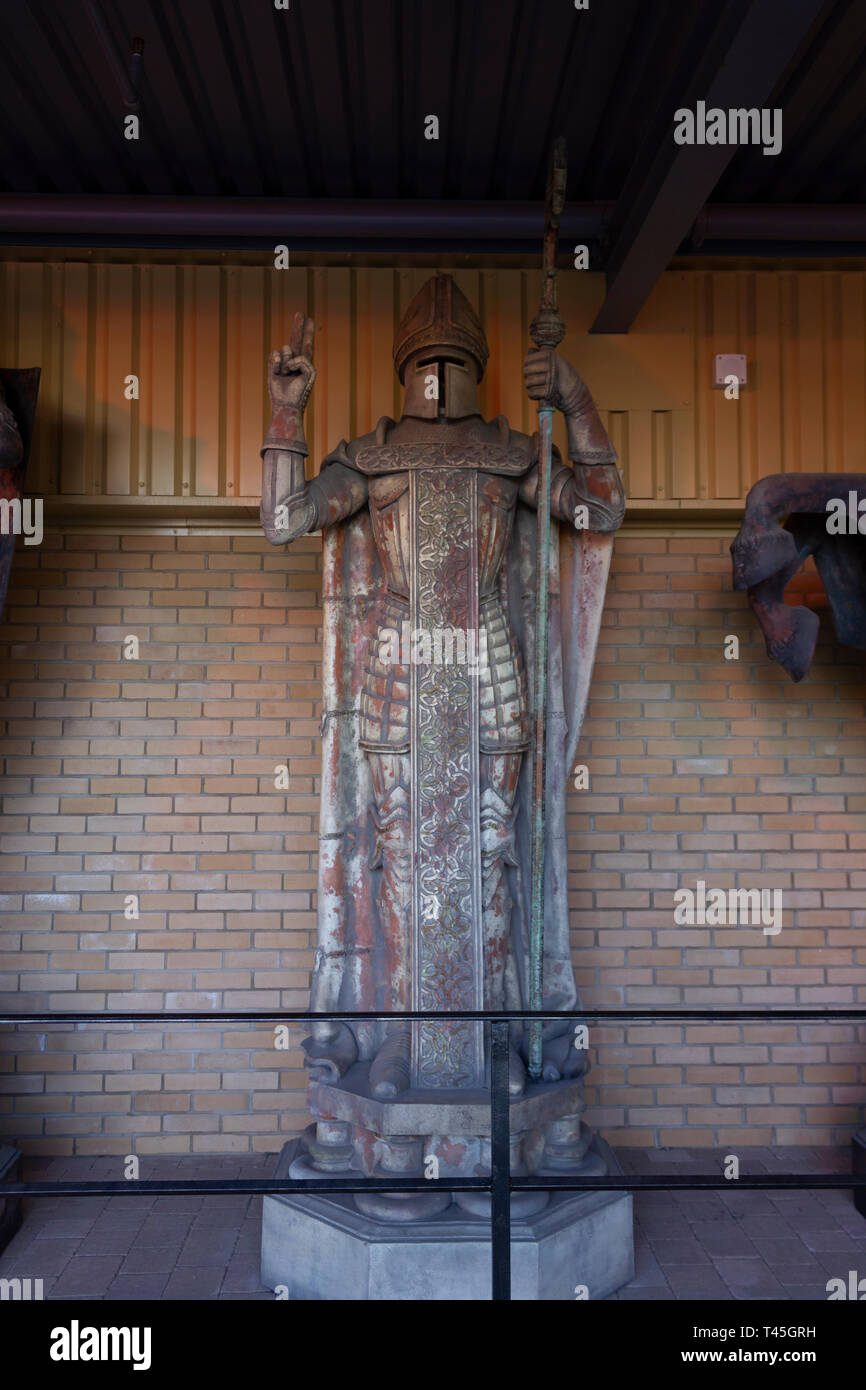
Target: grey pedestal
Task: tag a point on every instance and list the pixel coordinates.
(10, 1207)
(324, 1248)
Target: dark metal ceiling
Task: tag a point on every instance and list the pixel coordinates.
(313, 118)
(327, 99)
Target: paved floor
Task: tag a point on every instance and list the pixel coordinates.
(705, 1245)
(743, 1245)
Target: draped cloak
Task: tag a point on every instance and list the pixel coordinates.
(349, 967)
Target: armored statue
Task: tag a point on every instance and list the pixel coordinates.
(429, 554)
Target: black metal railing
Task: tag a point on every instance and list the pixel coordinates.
(500, 1184)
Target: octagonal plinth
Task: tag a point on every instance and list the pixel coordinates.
(324, 1248)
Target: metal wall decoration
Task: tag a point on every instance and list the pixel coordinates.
(789, 517)
(18, 391)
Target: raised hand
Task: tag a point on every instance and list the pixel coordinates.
(291, 372)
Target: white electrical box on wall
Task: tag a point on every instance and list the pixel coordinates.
(728, 364)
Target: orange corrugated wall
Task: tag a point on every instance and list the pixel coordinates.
(197, 337)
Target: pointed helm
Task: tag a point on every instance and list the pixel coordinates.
(440, 315)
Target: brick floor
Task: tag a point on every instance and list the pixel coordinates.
(743, 1245)
(689, 1245)
(142, 1247)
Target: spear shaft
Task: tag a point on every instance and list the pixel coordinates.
(546, 330)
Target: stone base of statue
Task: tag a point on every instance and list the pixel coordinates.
(324, 1248)
(10, 1207)
(427, 1246)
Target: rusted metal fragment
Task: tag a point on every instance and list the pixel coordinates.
(19, 388)
(786, 520)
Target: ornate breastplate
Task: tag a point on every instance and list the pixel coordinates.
(473, 445)
(483, 458)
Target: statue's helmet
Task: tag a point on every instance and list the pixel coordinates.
(440, 315)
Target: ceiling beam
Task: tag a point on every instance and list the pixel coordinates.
(663, 194)
(34, 219)
(291, 221)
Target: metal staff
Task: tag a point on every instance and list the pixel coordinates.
(546, 330)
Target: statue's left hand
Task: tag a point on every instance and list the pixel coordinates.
(548, 377)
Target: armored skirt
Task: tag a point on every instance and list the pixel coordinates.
(503, 704)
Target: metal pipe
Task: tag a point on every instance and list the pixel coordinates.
(223, 1187)
(126, 80)
(779, 222)
(546, 331)
(101, 214)
(539, 743)
(500, 1165)
(107, 214)
(172, 1016)
(136, 69)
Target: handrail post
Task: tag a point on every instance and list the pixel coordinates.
(500, 1165)
(858, 1166)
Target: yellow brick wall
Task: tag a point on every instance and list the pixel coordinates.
(156, 777)
(725, 771)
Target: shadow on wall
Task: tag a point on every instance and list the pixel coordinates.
(114, 420)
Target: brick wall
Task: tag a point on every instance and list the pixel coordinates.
(703, 768)
(155, 778)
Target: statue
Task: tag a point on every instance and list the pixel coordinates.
(429, 598)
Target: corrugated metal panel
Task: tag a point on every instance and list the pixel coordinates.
(197, 337)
